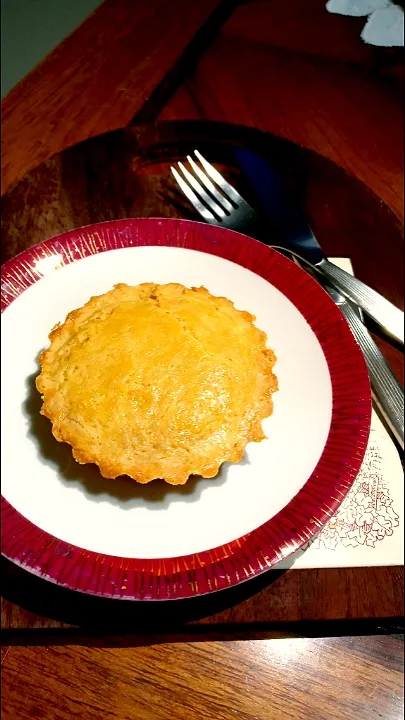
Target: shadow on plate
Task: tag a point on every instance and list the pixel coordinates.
(123, 491)
(49, 600)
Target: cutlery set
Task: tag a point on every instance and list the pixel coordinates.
(219, 203)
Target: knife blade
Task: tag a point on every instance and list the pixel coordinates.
(388, 394)
(286, 214)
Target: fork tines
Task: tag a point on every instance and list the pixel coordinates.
(200, 189)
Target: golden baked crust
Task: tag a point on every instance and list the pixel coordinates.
(157, 381)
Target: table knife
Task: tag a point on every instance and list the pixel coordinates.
(387, 392)
(298, 236)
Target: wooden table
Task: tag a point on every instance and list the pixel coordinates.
(310, 643)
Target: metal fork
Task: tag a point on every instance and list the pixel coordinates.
(220, 204)
(229, 209)
(226, 208)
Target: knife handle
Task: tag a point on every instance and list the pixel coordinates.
(388, 394)
(375, 305)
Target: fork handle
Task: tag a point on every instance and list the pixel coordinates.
(375, 305)
(387, 392)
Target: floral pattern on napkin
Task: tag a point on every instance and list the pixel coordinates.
(366, 516)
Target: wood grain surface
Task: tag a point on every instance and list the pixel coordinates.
(281, 67)
(266, 679)
(345, 595)
(96, 79)
(295, 71)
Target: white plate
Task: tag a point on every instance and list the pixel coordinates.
(73, 503)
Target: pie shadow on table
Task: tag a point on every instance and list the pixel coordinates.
(108, 616)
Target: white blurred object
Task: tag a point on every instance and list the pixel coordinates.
(385, 23)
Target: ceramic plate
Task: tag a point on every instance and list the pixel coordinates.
(64, 522)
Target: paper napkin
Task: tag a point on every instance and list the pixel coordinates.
(368, 529)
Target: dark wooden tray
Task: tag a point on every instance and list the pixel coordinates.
(126, 174)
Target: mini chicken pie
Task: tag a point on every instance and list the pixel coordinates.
(157, 381)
